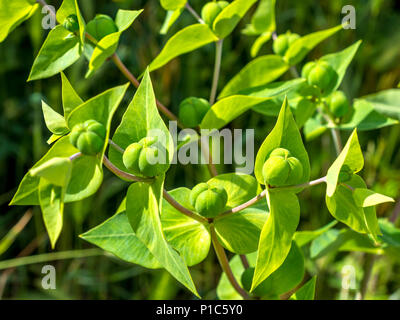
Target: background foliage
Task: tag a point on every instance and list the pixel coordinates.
(23, 135)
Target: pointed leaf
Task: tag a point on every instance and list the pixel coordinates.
(240, 232)
(351, 156)
(368, 198)
(304, 237)
(170, 19)
(143, 207)
(184, 41)
(307, 291)
(141, 119)
(302, 46)
(115, 235)
(172, 4)
(276, 235)
(263, 19)
(57, 171)
(55, 122)
(340, 61)
(230, 16)
(386, 102)
(70, 98)
(60, 50)
(13, 13)
(284, 135)
(343, 207)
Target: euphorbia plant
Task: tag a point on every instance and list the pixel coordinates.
(255, 218)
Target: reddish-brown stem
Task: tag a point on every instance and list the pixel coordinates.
(223, 261)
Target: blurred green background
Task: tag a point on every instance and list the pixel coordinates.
(23, 138)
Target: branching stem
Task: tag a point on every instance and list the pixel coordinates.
(217, 70)
(194, 13)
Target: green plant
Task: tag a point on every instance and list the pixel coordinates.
(255, 218)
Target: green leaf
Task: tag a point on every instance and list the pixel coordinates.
(125, 18)
(107, 46)
(184, 41)
(239, 187)
(286, 277)
(240, 232)
(51, 196)
(343, 207)
(70, 98)
(13, 13)
(365, 117)
(230, 16)
(386, 102)
(304, 237)
(351, 157)
(189, 237)
(263, 19)
(276, 235)
(302, 46)
(143, 207)
(57, 171)
(67, 8)
(258, 72)
(340, 61)
(390, 234)
(115, 235)
(367, 198)
(259, 42)
(172, 4)
(342, 240)
(141, 119)
(170, 19)
(87, 171)
(307, 291)
(284, 135)
(228, 109)
(55, 122)
(60, 50)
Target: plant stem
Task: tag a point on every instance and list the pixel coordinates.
(223, 261)
(194, 13)
(123, 174)
(217, 69)
(244, 260)
(182, 209)
(264, 193)
(73, 254)
(337, 140)
(75, 156)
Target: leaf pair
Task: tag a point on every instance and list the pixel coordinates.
(199, 35)
(351, 202)
(266, 69)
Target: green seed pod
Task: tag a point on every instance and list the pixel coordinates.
(276, 171)
(143, 158)
(192, 110)
(283, 42)
(101, 26)
(211, 10)
(307, 69)
(322, 76)
(71, 23)
(88, 137)
(338, 104)
(281, 169)
(208, 201)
